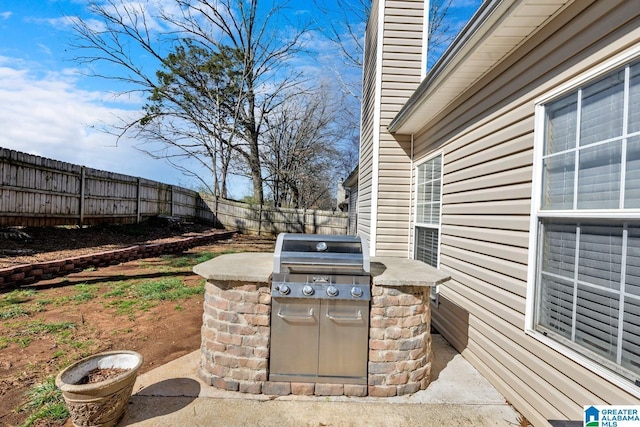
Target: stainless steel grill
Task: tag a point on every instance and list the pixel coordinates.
(320, 309)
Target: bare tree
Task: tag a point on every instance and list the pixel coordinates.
(440, 31)
(263, 40)
(300, 153)
(347, 20)
(344, 26)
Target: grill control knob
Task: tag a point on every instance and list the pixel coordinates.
(332, 291)
(357, 292)
(307, 290)
(284, 289)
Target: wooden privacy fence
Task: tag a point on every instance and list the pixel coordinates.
(36, 191)
(271, 220)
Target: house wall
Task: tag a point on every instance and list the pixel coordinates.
(369, 106)
(393, 70)
(487, 141)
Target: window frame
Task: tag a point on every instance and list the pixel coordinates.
(538, 215)
(434, 289)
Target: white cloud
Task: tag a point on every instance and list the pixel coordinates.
(50, 117)
(5, 15)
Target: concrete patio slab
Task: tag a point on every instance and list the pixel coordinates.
(173, 395)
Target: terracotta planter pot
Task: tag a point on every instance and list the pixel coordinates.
(101, 403)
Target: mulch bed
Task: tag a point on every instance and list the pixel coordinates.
(101, 374)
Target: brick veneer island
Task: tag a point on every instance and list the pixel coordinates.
(236, 328)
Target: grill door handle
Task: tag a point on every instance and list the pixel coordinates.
(345, 318)
(296, 316)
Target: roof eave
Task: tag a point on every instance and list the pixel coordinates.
(492, 14)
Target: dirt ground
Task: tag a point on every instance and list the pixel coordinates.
(34, 244)
(68, 324)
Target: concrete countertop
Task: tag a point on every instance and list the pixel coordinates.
(253, 267)
(387, 271)
(257, 267)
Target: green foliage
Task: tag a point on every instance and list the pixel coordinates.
(13, 311)
(189, 260)
(12, 304)
(166, 289)
(38, 326)
(17, 297)
(24, 332)
(197, 79)
(45, 403)
(119, 290)
(84, 292)
(128, 297)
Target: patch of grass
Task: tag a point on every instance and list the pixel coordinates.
(23, 341)
(44, 302)
(189, 260)
(80, 344)
(38, 326)
(206, 256)
(45, 404)
(129, 307)
(141, 295)
(85, 292)
(177, 261)
(61, 301)
(23, 332)
(13, 304)
(120, 289)
(20, 310)
(17, 297)
(165, 289)
(13, 311)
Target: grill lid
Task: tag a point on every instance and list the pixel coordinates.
(320, 253)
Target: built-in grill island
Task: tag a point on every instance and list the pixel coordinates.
(320, 294)
(317, 316)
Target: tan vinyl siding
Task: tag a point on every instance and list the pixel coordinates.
(487, 142)
(369, 105)
(402, 73)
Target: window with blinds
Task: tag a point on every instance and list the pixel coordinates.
(588, 269)
(428, 205)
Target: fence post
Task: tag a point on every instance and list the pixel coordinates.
(138, 195)
(215, 220)
(82, 185)
(171, 195)
(260, 221)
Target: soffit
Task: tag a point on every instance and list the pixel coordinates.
(496, 30)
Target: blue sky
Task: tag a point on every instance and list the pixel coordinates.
(48, 107)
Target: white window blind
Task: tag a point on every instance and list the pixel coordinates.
(588, 277)
(427, 245)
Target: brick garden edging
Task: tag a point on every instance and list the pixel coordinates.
(28, 274)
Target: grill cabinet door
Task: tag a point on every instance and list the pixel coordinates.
(344, 340)
(294, 337)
